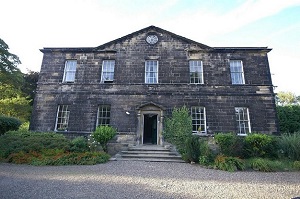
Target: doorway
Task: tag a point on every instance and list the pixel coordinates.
(150, 129)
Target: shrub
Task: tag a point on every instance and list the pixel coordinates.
(16, 141)
(289, 118)
(230, 144)
(192, 149)
(58, 157)
(229, 163)
(8, 124)
(79, 144)
(207, 156)
(266, 165)
(296, 165)
(289, 145)
(260, 145)
(178, 128)
(103, 134)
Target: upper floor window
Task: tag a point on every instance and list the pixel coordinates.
(62, 118)
(242, 120)
(70, 70)
(103, 115)
(151, 72)
(237, 72)
(198, 119)
(108, 69)
(196, 72)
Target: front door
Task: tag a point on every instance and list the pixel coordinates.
(150, 129)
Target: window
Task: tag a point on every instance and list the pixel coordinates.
(70, 70)
(243, 121)
(103, 116)
(62, 118)
(198, 120)
(196, 72)
(237, 73)
(108, 69)
(151, 72)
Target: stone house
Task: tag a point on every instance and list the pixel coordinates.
(134, 82)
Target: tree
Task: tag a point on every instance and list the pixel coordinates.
(9, 72)
(287, 98)
(178, 128)
(29, 85)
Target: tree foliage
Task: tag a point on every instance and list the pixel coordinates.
(9, 71)
(17, 90)
(289, 118)
(29, 85)
(287, 98)
(178, 128)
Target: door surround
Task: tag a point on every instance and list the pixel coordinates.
(149, 109)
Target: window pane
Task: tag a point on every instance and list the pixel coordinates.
(237, 74)
(103, 115)
(70, 71)
(242, 119)
(151, 71)
(62, 119)
(108, 67)
(196, 72)
(198, 119)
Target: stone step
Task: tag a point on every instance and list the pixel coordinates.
(150, 156)
(150, 160)
(149, 153)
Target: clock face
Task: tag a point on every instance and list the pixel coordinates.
(152, 39)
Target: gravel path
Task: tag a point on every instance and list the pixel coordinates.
(124, 179)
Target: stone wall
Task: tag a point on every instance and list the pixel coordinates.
(128, 89)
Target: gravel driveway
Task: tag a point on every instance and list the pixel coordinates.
(134, 179)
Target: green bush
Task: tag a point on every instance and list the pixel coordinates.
(58, 157)
(229, 163)
(266, 165)
(79, 144)
(178, 128)
(8, 124)
(296, 165)
(16, 141)
(289, 145)
(103, 134)
(192, 149)
(207, 156)
(230, 144)
(289, 118)
(260, 145)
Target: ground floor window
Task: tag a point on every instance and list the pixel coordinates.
(198, 119)
(103, 115)
(242, 120)
(62, 118)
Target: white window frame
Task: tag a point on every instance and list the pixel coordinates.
(108, 70)
(62, 118)
(151, 71)
(103, 115)
(196, 72)
(70, 71)
(198, 115)
(237, 72)
(243, 120)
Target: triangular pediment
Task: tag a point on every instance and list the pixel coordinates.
(150, 104)
(195, 45)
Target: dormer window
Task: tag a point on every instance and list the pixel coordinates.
(108, 68)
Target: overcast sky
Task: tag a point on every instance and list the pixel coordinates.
(29, 25)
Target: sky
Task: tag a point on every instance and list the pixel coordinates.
(27, 26)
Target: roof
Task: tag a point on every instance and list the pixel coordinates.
(152, 28)
(102, 48)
